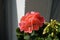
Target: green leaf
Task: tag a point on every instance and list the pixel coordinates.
(27, 37)
(58, 28)
(38, 38)
(56, 38)
(17, 30)
(19, 34)
(33, 33)
(49, 37)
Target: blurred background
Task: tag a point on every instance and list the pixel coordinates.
(12, 10)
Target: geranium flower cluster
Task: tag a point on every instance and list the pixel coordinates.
(31, 21)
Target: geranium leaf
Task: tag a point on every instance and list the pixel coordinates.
(38, 38)
(48, 38)
(33, 33)
(27, 37)
(17, 30)
(19, 34)
(59, 29)
(58, 24)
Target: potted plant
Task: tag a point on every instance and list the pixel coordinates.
(33, 26)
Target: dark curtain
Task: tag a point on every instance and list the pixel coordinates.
(3, 32)
(5, 16)
(55, 10)
(10, 19)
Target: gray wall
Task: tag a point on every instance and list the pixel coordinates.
(42, 6)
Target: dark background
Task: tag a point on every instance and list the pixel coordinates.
(50, 9)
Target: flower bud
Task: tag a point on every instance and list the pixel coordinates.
(52, 34)
(56, 30)
(44, 32)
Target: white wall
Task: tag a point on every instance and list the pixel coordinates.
(20, 8)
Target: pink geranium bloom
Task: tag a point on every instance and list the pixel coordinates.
(31, 21)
